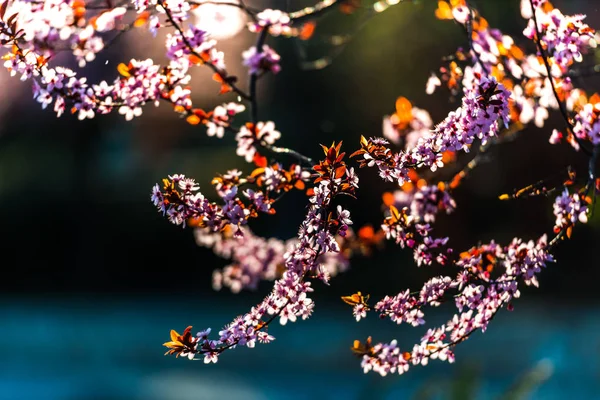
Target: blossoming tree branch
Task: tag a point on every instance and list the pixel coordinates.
(504, 84)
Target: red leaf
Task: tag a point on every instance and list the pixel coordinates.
(260, 161)
(3, 8)
(225, 88)
(340, 171)
(307, 30)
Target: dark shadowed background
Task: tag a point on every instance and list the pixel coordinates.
(93, 283)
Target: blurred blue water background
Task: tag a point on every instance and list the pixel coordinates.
(110, 348)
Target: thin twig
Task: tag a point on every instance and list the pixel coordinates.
(314, 11)
(262, 37)
(293, 153)
(504, 136)
(339, 42)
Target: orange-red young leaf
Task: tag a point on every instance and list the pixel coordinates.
(193, 119)
(194, 59)
(307, 30)
(362, 349)
(366, 232)
(388, 199)
(356, 298)
(340, 171)
(124, 70)
(444, 11)
(260, 161)
(141, 19)
(3, 7)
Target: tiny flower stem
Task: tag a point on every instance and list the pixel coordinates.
(559, 236)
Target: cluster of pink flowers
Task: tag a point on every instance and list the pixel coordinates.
(587, 123)
(565, 37)
(221, 118)
(251, 137)
(261, 61)
(406, 230)
(289, 299)
(489, 275)
(477, 117)
(499, 86)
(419, 125)
(569, 209)
(49, 26)
(41, 30)
(180, 201)
(193, 41)
(428, 200)
(255, 258)
(424, 203)
(143, 82)
(146, 83)
(476, 300)
(276, 21)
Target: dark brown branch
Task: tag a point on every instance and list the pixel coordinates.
(469, 29)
